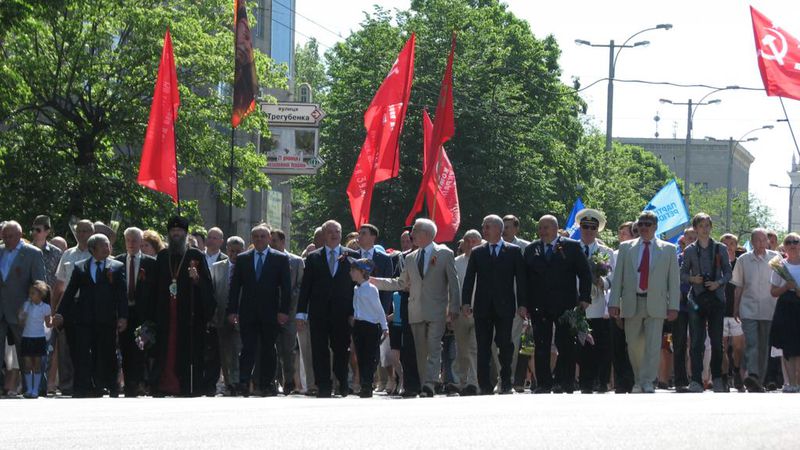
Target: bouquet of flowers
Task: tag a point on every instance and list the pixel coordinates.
(600, 265)
(526, 345)
(145, 335)
(575, 319)
(776, 264)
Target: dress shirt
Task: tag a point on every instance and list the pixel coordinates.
(336, 252)
(369, 254)
(752, 273)
(211, 259)
(95, 268)
(256, 257)
(367, 305)
(67, 263)
(136, 260)
(428, 252)
(494, 249)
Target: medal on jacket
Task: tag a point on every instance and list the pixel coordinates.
(173, 287)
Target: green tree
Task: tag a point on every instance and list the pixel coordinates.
(516, 124)
(748, 211)
(309, 68)
(78, 79)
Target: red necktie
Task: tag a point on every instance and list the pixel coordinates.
(131, 280)
(644, 267)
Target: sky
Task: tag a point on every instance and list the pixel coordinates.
(711, 43)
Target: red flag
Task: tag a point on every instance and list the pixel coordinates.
(441, 190)
(778, 57)
(158, 167)
(245, 81)
(443, 129)
(379, 159)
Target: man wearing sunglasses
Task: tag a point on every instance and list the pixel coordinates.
(595, 360)
(645, 290)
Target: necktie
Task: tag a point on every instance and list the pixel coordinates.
(494, 250)
(586, 250)
(644, 267)
(259, 265)
(97, 271)
(131, 280)
(549, 252)
(421, 262)
(332, 262)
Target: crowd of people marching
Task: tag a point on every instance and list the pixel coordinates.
(203, 315)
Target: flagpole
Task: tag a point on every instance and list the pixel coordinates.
(232, 231)
(177, 180)
(790, 126)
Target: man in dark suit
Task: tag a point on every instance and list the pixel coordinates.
(326, 302)
(553, 262)
(259, 301)
(96, 318)
(497, 266)
(140, 274)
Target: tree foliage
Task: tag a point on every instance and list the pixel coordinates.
(747, 211)
(77, 84)
(520, 145)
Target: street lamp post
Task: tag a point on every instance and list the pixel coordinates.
(612, 63)
(792, 189)
(691, 109)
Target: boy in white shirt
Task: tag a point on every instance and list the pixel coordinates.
(368, 322)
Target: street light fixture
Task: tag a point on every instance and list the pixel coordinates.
(792, 189)
(612, 63)
(692, 108)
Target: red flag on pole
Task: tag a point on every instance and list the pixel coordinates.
(379, 157)
(158, 167)
(443, 129)
(778, 57)
(245, 81)
(441, 190)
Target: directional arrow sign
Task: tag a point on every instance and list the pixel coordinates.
(294, 114)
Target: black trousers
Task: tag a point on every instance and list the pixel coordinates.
(708, 320)
(212, 364)
(500, 328)
(367, 340)
(679, 336)
(258, 338)
(595, 360)
(408, 359)
(330, 335)
(94, 358)
(133, 359)
(564, 373)
(623, 372)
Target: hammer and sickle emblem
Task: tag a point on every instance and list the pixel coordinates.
(775, 53)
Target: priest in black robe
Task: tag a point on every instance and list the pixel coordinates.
(184, 305)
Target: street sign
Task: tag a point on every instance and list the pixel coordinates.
(293, 114)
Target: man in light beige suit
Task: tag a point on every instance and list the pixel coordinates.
(429, 276)
(645, 290)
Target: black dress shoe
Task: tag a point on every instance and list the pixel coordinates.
(269, 392)
(753, 385)
(469, 391)
(557, 389)
(587, 391)
(426, 392)
(542, 390)
(343, 392)
(365, 393)
(506, 390)
(622, 390)
(407, 393)
(324, 393)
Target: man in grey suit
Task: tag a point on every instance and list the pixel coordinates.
(645, 291)
(20, 265)
(430, 277)
(230, 343)
(287, 333)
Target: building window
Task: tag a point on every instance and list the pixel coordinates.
(304, 93)
(257, 21)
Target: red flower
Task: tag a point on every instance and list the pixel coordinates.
(142, 274)
(433, 261)
(110, 275)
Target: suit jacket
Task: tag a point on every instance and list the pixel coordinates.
(721, 264)
(551, 284)
(494, 289)
(384, 269)
(260, 299)
(145, 293)
(323, 296)
(221, 256)
(220, 274)
(430, 296)
(296, 269)
(102, 301)
(663, 282)
(28, 266)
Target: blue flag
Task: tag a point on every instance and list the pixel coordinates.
(670, 208)
(572, 227)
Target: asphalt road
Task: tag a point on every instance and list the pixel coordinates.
(663, 420)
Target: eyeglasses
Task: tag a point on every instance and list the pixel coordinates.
(791, 242)
(644, 224)
(37, 230)
(589, 227)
